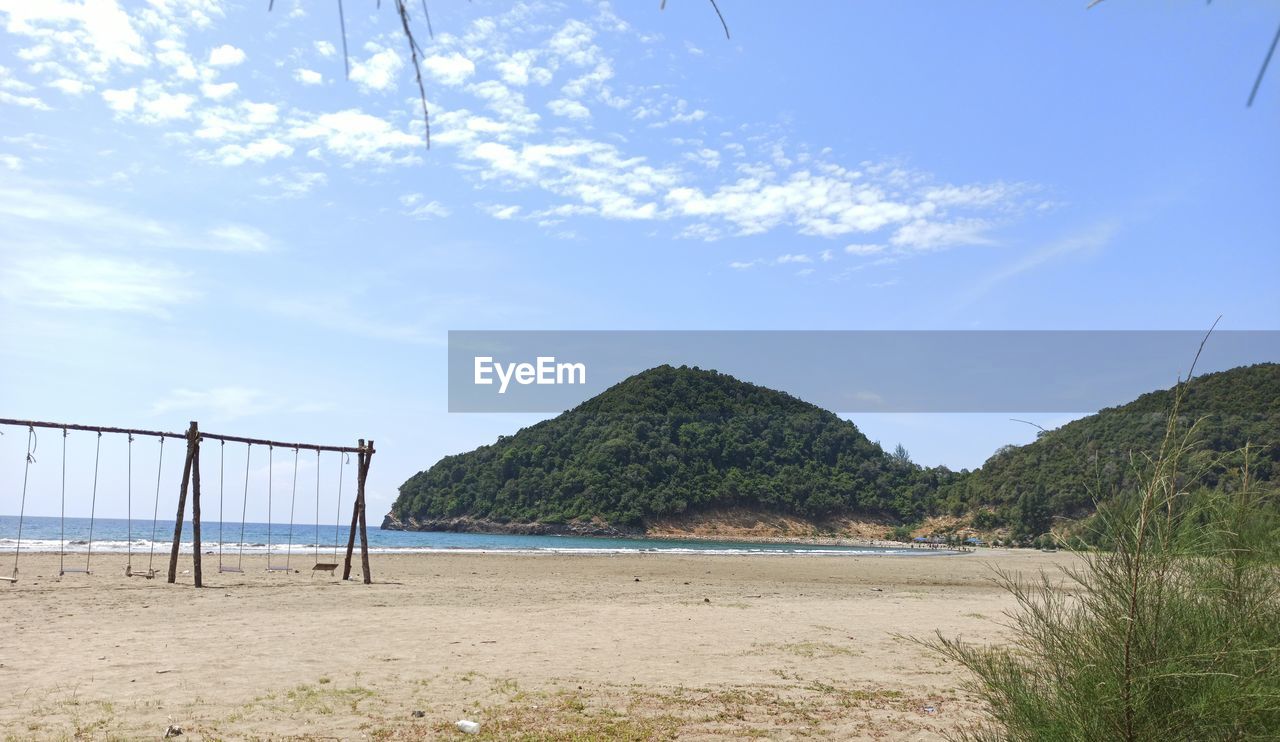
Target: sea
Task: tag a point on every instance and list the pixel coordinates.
(117, 535)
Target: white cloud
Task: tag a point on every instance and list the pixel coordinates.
(502, 212)
(922, 234)
(515, 70)
(260, 114)
(569, 109)
(451, 69)
(226, 56)
(1088, 240)
(993, 194)
(308, 77)
(295, 184)
(95, 37)
(121, 101)
(358, 136)
(218, 91)
(76, 281)
(261, 150)
(793, 258)
(26, 101)
(11, 162)
(71, 86)
(379, 72)
(707, 157)
(857, 249)
(417, 209)
(158, 106)
(36, 217)
(239, 238)
(821, 204)
(688, 117)
(737, 184)
(170, 53)
(236, 122)
(13, 90)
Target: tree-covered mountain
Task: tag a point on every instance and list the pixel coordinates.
(1099, 456)
(665, 442)
(671, 441)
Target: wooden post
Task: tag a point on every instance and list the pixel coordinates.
(195, 515)
(364, 534)
(355, 514)
(193, 436)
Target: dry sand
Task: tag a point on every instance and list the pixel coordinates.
(529, 646)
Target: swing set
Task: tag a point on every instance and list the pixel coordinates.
(191, 484)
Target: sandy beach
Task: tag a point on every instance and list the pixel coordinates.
(643, 646)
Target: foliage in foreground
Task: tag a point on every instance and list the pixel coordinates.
(1171, 633)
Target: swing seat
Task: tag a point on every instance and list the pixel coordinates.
(231, 569)
(9, 579)
(75, 570)
(323, 567)
(279, 569)
(148, 574)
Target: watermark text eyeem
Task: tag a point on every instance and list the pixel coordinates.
(544, 370)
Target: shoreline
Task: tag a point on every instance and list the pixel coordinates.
(802, 545)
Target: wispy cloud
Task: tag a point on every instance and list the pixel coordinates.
(77, 281)
(34, 215)
(1087, 241)
(418, 207)
(518, 92)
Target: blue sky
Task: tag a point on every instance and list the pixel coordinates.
(200, 218)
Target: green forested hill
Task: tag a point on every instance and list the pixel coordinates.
(665, 442)
(1098, 456)
(671, 441)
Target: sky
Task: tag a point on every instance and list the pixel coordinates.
(203, 217)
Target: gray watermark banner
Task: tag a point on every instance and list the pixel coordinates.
(849, 371)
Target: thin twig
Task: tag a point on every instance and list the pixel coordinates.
(414, 49)
(724, 25)
(1263, 71)
(427, 14)
(663, 6)
(342, 22)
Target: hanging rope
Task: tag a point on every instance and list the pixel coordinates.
(244, 507)
(317, 506)
(293, 494)
(270, 476)
(62, 519)
(222, 468)
(32, 441)
(93, 503)
(337, 520)
(155, 510)
(128, 512)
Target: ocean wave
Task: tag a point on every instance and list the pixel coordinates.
(327, 550)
